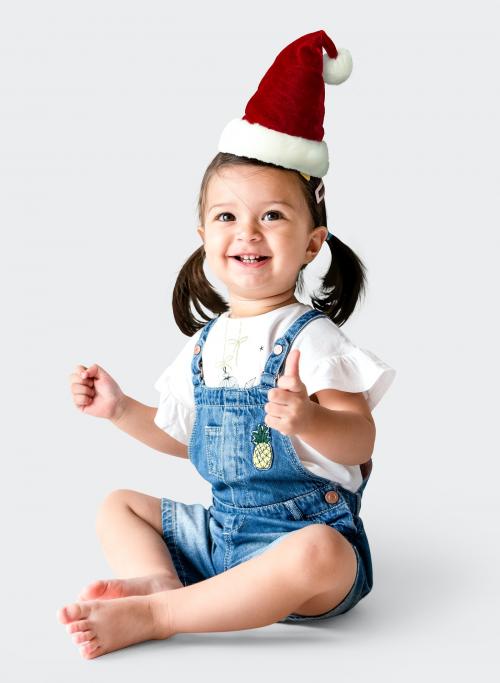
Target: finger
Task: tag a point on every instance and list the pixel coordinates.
(76, 379)
(80, 370)
(82, 390)
(280, 395)
(273, 422)
(81, 400)
(276, 410)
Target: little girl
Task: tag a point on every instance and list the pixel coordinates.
(268, 399)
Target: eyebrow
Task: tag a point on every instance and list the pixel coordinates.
(271, 201)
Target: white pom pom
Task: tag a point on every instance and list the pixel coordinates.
(338, 70)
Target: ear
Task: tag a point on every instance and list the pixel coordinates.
(318, 236)
(201, 232)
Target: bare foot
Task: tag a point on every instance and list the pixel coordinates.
(102, 626)
(123, 588)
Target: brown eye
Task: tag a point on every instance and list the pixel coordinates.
(276, 212)
(224, 213)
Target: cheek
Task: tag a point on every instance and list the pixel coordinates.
(218, 245)
(214, 248)
(288, 257)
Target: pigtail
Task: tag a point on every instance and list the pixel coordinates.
(345, 280)
(193, 287)
(343, 284)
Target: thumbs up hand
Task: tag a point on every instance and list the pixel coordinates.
(289, 409)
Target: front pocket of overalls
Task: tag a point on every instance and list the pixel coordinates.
(213, 444)
(333, 514)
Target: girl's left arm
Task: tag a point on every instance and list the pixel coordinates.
(340, 427)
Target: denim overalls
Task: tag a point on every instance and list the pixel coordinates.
(260, 488)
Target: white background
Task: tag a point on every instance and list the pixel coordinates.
(109, 114)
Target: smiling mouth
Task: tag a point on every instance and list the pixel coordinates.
(260, 258)
(255, 264)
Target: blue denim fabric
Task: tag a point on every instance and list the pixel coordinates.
(256, 501)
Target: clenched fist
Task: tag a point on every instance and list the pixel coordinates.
(96, 393)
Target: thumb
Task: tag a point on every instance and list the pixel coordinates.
(92, 371)
(292, 364)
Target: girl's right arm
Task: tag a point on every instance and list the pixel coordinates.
(95, 392)
(137, 419)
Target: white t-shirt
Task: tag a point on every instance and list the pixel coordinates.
(234, 355)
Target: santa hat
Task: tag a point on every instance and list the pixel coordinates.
(283, 120)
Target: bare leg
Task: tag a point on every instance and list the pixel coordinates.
(309, 572)
(129, 528)
(130, 531)
(315, 565)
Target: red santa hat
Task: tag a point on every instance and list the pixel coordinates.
(283, 120)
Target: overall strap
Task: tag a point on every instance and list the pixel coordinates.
(196, 363)
(275, 364)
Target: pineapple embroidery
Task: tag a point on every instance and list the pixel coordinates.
(262, 453)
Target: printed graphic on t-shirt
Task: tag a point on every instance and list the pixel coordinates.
(229, 361)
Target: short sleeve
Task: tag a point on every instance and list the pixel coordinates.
(357, 370)
(175, 411)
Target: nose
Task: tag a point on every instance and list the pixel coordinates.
(250, 229)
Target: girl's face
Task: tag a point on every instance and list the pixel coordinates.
(258, 211)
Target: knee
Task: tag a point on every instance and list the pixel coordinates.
(116, 499)
(316, 551)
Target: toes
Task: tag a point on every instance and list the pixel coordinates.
(83, 637)
(77, 626)
(72, 612)
(90, 650)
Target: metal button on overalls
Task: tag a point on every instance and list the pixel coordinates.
(278, 349)
(331, 496)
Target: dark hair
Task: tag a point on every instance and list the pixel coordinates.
(341, 287)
